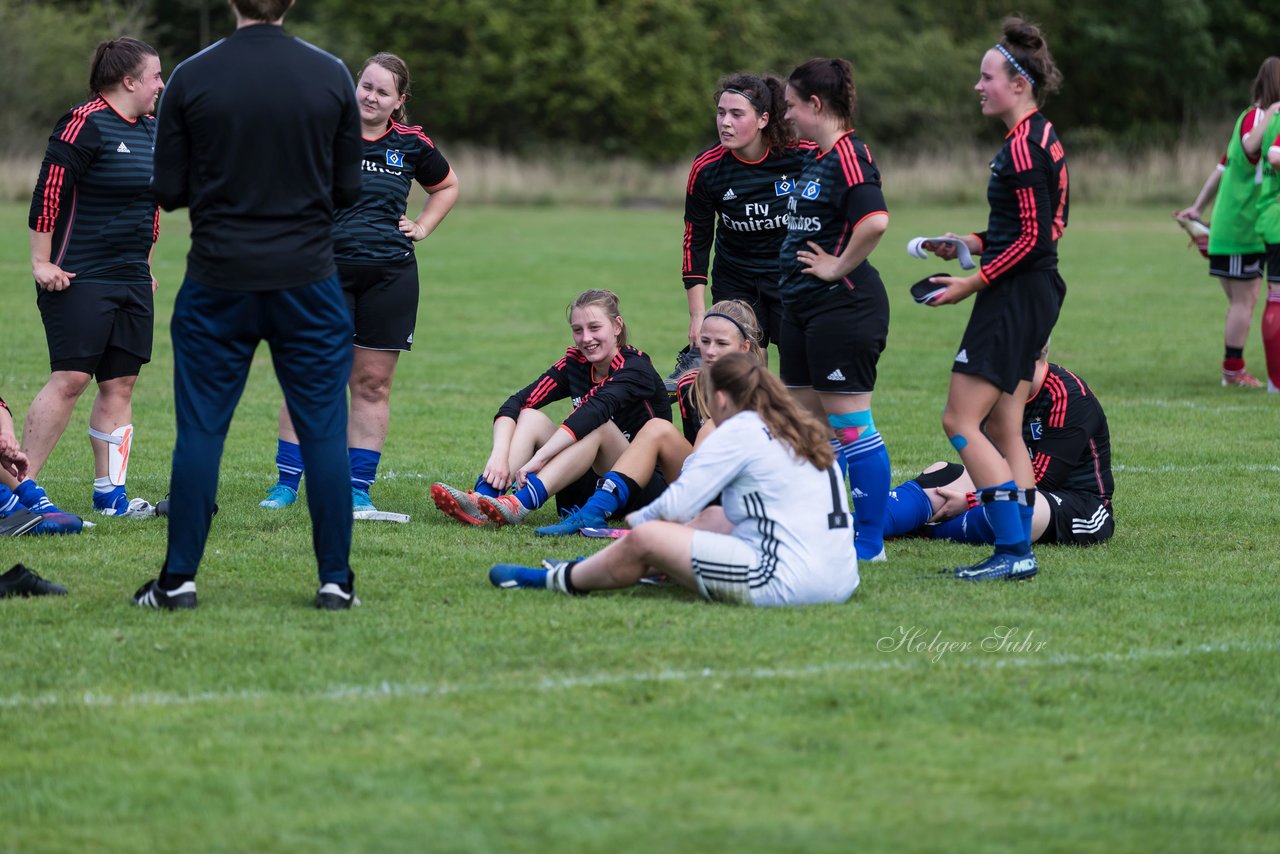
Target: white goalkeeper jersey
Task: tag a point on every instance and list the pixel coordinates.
(794, 515)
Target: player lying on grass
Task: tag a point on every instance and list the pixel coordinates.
(615, 392)
(782, 534)
(728, 327)
(1066, 434)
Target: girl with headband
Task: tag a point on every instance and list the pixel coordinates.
(1019, 295)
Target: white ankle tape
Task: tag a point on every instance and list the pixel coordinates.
(119, 443)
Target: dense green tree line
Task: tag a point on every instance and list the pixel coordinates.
(636, 76)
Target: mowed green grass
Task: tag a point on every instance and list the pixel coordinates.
(1131, 707)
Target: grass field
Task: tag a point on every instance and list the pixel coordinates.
(1132, 705)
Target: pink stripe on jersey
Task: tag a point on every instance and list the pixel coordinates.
(1026, 241)
(51, 199)
(704, 160)
(412, 130)
(79, 116)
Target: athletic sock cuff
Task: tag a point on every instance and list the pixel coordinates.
(944, 476)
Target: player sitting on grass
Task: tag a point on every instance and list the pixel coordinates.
(615, 391)
(728, 327)
(783, 533)
(1066, 433)
(16, 515)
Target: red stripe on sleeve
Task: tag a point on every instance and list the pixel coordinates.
(705, 159)
(79, 116)
(1059, 398)
(51, 200)
(1060, 214)
(540, 392)
(1039, 465)
(849, 161)
(1026, 241)
(687, 254)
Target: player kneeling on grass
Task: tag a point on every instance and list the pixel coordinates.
(783, 532)
(730, 326)
(615, 391)
(1066, 433)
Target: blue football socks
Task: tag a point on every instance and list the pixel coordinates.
(289, 463)
(364, 467)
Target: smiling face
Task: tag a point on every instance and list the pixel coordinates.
(1003, 96)
(803, 113)
(146, 86)
(739, 124)
(595, 333)
(379, 94)
(719, 336)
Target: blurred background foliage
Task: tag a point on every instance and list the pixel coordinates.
(635, 78)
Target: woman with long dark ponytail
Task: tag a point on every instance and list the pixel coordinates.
(94, 222)
(835, 309)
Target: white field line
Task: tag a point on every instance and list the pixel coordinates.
(889, 661)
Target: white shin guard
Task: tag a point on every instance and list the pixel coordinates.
(119, 444)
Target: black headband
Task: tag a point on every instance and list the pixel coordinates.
(745, 336)
(750, 99)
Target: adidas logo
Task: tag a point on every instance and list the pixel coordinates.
(858, 493)
(962, 357)
(836, 376)
(123, 149)
(729, 195)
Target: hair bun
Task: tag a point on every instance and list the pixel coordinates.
(1023, 34)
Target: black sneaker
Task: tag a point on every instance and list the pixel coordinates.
(1001, 567)
(331, 597)
(19, 522)
(686, 360)
(152, 595)
(20, 581)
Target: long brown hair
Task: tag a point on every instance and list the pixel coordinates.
(1266, 86)
(750, 386)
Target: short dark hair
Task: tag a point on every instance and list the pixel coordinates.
(114, 60)
(262, 10)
